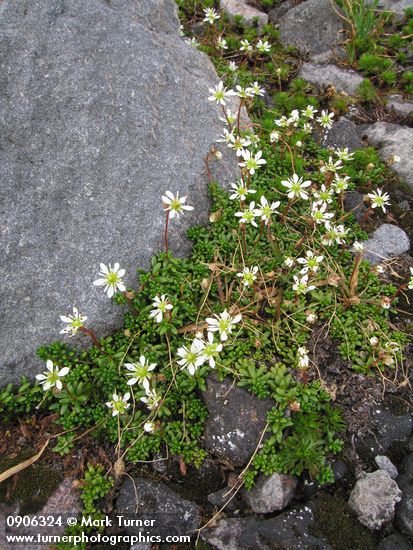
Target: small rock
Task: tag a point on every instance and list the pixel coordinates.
(374, 498)
(221, 497)
(236, 420)
(340, 469)
(404, 205)
(392, 139)
(387, 241)
(400, 107)
(249, 13)
(143, 499)
(289, 530)
(384, 463)
(394, 542)
(312, 26)
(271, 494)
(323, 76)
(353, 202)
(343, 134)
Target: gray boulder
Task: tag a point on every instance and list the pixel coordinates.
(400, 107)
(271, 493)
(374, 498)
(343, 80)
(236, 420)
(311, 26)
(103, 108)
(249, 14)
(387, 241)
(392, 139)
(143, 499)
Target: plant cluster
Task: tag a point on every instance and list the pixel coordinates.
(280, 257)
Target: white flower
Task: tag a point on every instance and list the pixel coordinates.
(252, 162)
(331, 166)
(232, 66)
(139, 371)
(192, 42)
(111, 279)
(238, 144)
(152, 399)
(335, 233)
(307, 128)
(161, 305)
(266, 210)
(319, 214)
(274, 136)
(210, 16)
(299, 143)
(289, 262)
(226, 137)
(309, 112)
(119, 404)
(343, 154)
(379, 269)
(51, 377)
(220, 94)
(379, 199)
(223, 323)
(209, 348)
(326, 119)
(240, 191)
(311, 317)
(374, 341)
(174, 204)
(340, 183)
(244, 93)
(310, 262)
(296, 187)
(301, 286)
(256, 89)
(248, 275)
(248, 215)
(303, 359)
(149, 427)
(222, 43)
(324, 195)
(230, 117)
(282, 122)
(191, 358)
(358, 247)
(181, 30)
(74, 322)
(410, 283)
(245, 46)
(294, 116)
(263, 47)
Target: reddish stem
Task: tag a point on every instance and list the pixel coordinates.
(92, 335)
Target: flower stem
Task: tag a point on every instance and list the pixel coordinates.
(92, 335)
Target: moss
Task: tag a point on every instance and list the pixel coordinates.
(334, 521)
(31, 488)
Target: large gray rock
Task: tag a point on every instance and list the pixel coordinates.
(311, 26)
(103, 108)
(386, 242)
(143, 499)
(271, 493)
(236, 420)
(392, 139)
(343, 80)
(343, 134)
(374, 498)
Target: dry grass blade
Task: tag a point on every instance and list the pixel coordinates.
(23, 465)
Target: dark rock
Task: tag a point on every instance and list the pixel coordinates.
(143, 499)
(311, 487)
(271, 493)
(236, 420)
(223, 496)
(374, 498)
(406, 472)
(287, 531)
(353, 202)
(391, 140)
(275, 13)
(343, 134)
(385, 464)
(387, 241)
(104, 109)
(394, 542)
(322, 76)
(404, 511)
(312, 26)
(388, 429)
(340, 469)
